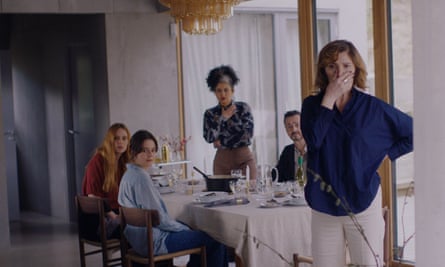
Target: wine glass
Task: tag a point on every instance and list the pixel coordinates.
(236, 188)
(232, 185)
(176, 176)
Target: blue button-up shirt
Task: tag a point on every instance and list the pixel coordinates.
(137, 190)
(346, 148)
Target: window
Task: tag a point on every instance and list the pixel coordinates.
(262, 46)
(403, 180)
(245, 43)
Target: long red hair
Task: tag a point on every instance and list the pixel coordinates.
(106, 150)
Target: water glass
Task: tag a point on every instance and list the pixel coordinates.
(264, 188)
(295, 189)
(236, 173)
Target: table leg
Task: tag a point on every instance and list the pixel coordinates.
(238, 261)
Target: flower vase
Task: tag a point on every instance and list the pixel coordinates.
(176, 156)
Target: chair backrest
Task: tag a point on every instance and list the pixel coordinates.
(139, 218)
(91, 218)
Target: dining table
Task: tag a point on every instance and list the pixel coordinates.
(261, 236)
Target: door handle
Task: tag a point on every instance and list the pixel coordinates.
(10, 135)
(73, 132)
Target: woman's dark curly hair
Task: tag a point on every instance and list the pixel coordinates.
(223, 73)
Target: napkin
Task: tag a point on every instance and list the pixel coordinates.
(228, 202)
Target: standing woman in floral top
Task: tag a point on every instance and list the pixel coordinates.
(228, 125)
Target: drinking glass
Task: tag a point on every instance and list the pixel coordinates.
(236, 173)
(241, 186)
(176, 176)
(264, 188)
(295, 189)
(233, 187)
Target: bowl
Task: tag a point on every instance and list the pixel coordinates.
(219, 182)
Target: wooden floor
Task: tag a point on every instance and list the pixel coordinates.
(41, 241)
(38, 240)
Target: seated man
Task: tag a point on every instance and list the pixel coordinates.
(288, 162)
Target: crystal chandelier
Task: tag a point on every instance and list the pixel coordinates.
(201, 16)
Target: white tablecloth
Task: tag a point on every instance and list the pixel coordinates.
(254, 232)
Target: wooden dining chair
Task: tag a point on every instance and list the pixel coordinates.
(92, 231)
(298, 259)
(149, 219)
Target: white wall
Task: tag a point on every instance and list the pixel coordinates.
(429, 130)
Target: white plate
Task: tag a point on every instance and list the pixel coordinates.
(209, 196)
(295, 202)
(269, 204)
(158, 176)
(166, 190)
(161, 182)
(222, 176)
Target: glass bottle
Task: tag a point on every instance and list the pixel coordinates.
(299, 176)
(165, 153)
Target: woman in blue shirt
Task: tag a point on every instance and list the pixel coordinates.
(228, 125)
(136, 190)
(348, 134)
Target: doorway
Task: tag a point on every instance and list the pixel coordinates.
(79, 117)
(60, 105)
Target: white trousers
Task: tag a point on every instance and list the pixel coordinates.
(333, 235)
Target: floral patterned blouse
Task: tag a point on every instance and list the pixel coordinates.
(233, 132)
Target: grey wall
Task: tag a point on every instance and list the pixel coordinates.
(142, 73)
(76, 6)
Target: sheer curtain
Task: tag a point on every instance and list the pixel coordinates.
(246, 44)
(287, 70)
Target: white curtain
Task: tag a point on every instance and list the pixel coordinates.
(246, 44)
(288, 80)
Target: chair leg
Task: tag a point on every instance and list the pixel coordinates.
(82, 253)
(296, 264)
(105, 257)
(238, 261)
(203, 256)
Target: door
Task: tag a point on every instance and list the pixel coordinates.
(80, 120)
(9, 135)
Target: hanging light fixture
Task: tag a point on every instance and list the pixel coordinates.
(201, 16)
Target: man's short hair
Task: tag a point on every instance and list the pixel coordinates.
(291, 113)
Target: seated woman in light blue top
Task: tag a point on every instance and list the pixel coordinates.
(137, 190)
